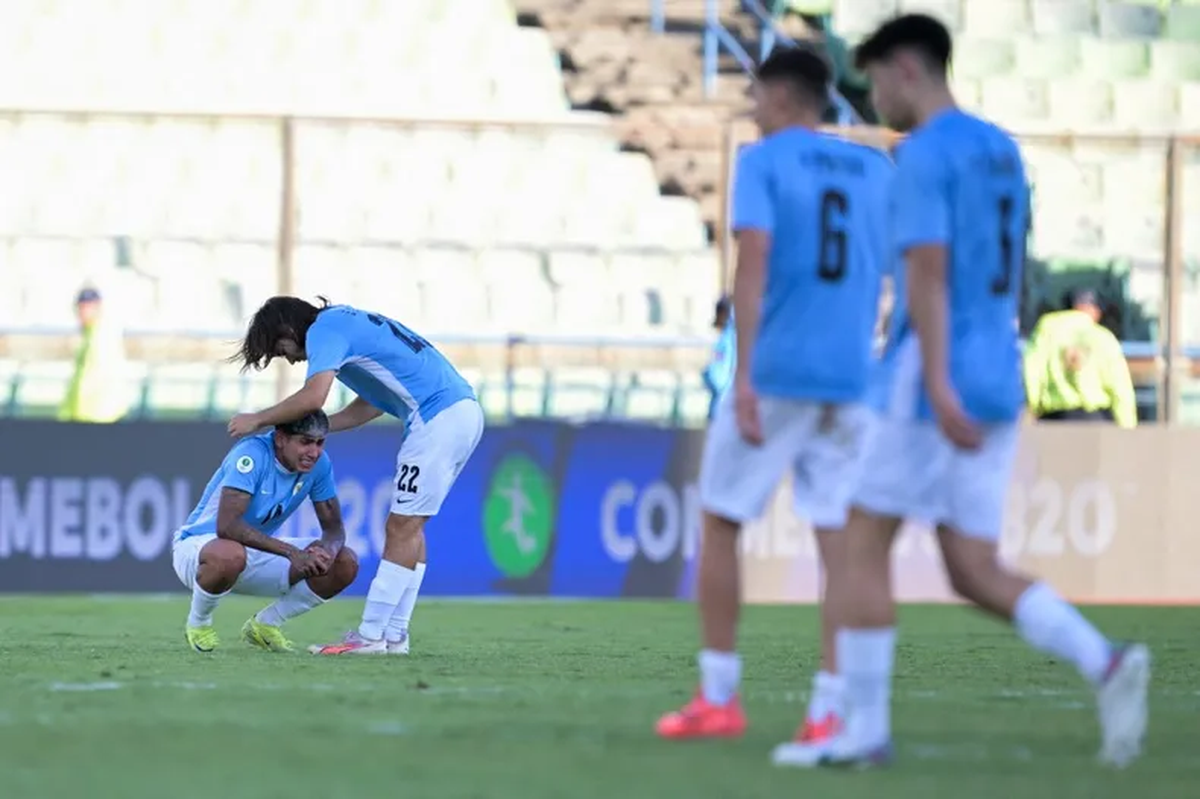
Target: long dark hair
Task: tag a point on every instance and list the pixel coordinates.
(278, 318)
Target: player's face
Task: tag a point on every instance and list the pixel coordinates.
(300, 453)
(890, 89)
(770, 98)
(286, 348)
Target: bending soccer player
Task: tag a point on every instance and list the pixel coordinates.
(395, 371)
(944, 445)
(810, 214)
(228, 542)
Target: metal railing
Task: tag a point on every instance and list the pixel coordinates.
(717, 37)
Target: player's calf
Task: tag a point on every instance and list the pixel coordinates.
(1119, 674)
(221, 563)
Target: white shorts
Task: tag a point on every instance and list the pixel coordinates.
(825, 455)
(265, 574)
(432, 457)
(913, 472)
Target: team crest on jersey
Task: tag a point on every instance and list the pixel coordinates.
(297, 487)
(245, 464)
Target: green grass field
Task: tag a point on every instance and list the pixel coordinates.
(100, 697)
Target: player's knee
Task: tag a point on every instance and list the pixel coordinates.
(222, 560)
(400, 528)
(971, 566)
(345, 567)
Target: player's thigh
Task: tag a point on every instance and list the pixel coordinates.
(828, 467)
(185, 557)
(903, 470)
(267, 574)
(978, 483)
(737, 479)
(432, 457)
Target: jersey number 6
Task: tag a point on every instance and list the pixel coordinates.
(410, 339)
(831, 262)
(1002, 283)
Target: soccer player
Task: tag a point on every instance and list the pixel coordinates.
(809, 213)
(228, 543)
(395, 371)
(952, 398)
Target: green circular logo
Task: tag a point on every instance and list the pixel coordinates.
(518, 516)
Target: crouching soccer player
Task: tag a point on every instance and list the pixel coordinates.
(810, 214)
(227, 544)
(947, 436)
(395, 371)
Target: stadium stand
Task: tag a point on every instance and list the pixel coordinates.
(514, 227)
(581, 207)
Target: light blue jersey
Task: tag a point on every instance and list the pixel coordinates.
(384, 362)
(275, 493)
(718, 375)
(823, 201)
(960, 183)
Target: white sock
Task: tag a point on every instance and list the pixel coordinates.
(720, 675)
(865, 658)
(397, 628)
(1049, 624)
(300, 599)
(203, 605)
(828, 696)
(382, 598)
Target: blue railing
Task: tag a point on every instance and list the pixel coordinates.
(717, 36)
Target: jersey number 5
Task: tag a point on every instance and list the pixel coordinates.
(1002, 283)
(831, 262)
(410, 339)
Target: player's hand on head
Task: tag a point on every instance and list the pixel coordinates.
(244, 424)
(953, 421)
(745, 402)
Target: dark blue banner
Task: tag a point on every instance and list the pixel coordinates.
(542, 508)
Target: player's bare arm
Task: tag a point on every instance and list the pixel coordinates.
(749, 282)
(356, 414)
(232, 526)
(309, 398)
(333, 532)
(927, 305)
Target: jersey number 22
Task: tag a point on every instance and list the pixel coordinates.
(410, 339)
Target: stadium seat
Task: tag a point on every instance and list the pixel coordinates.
(41, 387)
(1146, 105)
(1182, 22)
(980, 58)
(1123, 20)
(9, 370)
(1063, 17)
(1175, 61)
(693, 399)
(1081, 103)
(1046, 57)
(1000, 20)
(1113, 59)
(180, 391)
(579, 393)
(651, 395)
(1015, 101)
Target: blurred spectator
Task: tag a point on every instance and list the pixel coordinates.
(719, 372)
(98, 391)
(1075, 369)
